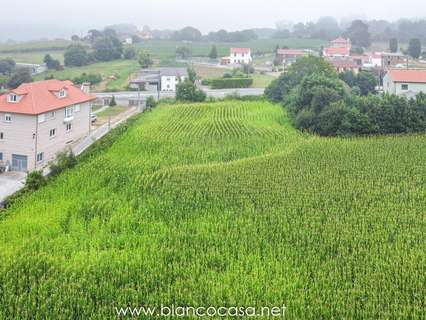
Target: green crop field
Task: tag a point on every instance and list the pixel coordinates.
(223, 204)
(119, 68)
(166, 49)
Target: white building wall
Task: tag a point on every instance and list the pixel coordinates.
(18, 137)
(50, 146)
(25, 135)
(402, 88)
(241, 58)
(169, 83)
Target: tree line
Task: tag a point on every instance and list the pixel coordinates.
(322, 102)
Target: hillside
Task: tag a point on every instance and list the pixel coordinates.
(224, 204)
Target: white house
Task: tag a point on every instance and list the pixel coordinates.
(238, 56)
(163, 79)
(40, 119)
(405, 82)
(170, 77)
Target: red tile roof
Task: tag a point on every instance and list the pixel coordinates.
(39, 97)
(240, 50)
(404, 75)
(291, 52)
(336, 51)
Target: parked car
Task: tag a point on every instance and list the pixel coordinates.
(93, 118)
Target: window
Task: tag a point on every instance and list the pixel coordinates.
(7, 118)
(13, 98)
(62, 93)
(69, 111)
(41, 118)
(1, 156)
(77, 108)
(40, 157)
(1, 135)
(404, 87)
(52, 114)
(52, 133)
(69, 126)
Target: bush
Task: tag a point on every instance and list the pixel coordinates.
(231, 83)
(91, 78)
(64, 160)
(76, 56)
(35, 180)
(188, 91)
(129, 53)
(150, 102)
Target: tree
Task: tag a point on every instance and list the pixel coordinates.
(188, 91)
(7, 66)
(145, 60)
(366, 82)
(192, 75)
(20, 76)
(75, 38)
(213, 53)
(76, 56)
(359, 34)
(303, 67)
(393, 45)
(129, 53)
(108, 48)
(183, 52)
(414, 48)
(187, 34)
(52, 64)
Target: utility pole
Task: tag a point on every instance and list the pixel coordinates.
(139, 97)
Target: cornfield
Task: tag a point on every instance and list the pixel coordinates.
(224, 204)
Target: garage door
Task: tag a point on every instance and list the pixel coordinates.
(19, 163)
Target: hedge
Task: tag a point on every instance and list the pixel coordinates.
(231, 83)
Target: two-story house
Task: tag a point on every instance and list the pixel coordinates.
(238, 56)
(162, 79)
(40, 119)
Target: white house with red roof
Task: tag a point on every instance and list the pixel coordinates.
(40, 119)
(238, 56)
(405, 82)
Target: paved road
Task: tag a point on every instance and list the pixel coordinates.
(125, 95)
(10, 182)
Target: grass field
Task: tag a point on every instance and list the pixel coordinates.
(32, 46)
(224, 204)
(33, 57)
(119, 68)
(164, 49)
(34, 51)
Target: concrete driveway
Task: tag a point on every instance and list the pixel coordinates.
(10, 182)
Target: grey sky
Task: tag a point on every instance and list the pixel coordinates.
(60, 17)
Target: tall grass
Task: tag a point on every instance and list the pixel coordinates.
(224, 204)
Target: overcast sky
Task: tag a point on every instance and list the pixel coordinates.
(60, 18)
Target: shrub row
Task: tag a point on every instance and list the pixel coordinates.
(231, 83)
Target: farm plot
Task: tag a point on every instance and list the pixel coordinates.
(224, 204)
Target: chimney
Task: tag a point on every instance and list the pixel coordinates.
(85, 87)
